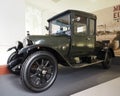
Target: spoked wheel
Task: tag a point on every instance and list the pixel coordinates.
(107, 60)
(39, 71)
(13, 69)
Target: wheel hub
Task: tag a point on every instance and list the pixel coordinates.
(44, 72)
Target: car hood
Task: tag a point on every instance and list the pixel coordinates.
(54, 41)
(43, 40)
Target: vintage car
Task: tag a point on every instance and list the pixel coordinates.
(71, 42)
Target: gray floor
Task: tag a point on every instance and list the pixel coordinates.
(69, 81)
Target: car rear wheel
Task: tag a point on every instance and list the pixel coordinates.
(39, 71)
(106, 63)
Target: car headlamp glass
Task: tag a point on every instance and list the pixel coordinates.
(25, 42)
(18, 45)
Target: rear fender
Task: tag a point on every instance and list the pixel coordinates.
(101, 53)
(112, 52)
(108, 48)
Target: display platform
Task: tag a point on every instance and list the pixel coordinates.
(110, 88)
(69, 81)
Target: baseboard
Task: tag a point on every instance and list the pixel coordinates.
(4, 70)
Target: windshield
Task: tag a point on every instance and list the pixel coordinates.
(60, 26)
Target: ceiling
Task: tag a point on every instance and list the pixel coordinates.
(61, 5)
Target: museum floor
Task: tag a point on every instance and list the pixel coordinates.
(69, 82)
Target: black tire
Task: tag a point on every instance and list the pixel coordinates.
(39, 71)
(14, 69)
(11, 57)
(107, 61)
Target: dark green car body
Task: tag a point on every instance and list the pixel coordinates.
(71, 42)
(77, 39)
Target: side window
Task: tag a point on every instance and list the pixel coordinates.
(80, 24)
(92, 27)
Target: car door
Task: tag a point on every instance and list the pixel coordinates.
(83, 39)
(79, 37)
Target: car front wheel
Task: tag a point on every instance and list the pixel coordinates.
(39, 71)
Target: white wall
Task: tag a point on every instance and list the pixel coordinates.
(12, 25)
(46, 14)
(12, 21)
(36, 19)
(33, 20)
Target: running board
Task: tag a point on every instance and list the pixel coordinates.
(86, 64)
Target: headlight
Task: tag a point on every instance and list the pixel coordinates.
(19, 45)
(27, 42)
(16, 44)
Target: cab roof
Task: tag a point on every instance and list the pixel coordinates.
(82, 13)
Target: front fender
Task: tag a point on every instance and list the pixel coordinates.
(25, 52)
(28, 49)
